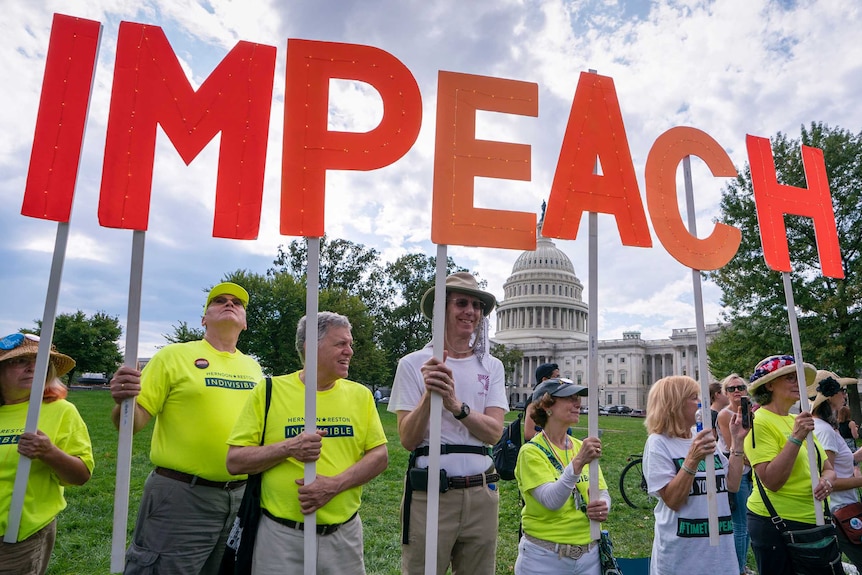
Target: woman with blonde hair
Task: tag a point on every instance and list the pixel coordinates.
(735, 388)
(60, 451)
(674, 466)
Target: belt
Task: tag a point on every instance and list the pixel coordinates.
(321, 529)
(195, 480)
(564, 550)
(473, 480)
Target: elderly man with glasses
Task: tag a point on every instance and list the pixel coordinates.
(471, 383)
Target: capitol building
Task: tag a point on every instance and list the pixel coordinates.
(542, 314)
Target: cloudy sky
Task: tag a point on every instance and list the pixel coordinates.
(729, 68)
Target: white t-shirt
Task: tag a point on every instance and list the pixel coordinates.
(478, 386)
(830, 440)
(681, 539)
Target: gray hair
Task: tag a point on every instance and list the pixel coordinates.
(325, 321)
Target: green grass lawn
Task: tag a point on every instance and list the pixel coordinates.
(84, 529)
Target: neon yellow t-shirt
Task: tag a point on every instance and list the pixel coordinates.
(794, 501)
(43, 500)
(567, 525)
(347, 411)
(195, 393)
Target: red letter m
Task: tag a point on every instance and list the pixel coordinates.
(150, 88)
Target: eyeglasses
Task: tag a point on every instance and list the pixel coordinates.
(463, 302)
(732, 388)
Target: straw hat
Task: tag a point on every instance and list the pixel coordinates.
(775, 366)
(826, 384)
(20, 344)
(461, 282)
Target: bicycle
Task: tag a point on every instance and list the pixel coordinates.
(633, 485)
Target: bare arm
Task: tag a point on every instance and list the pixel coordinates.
(305, 447)
(842, 483)
(723, 423)
(736, 459)
(412, 425)
(675, 493)
(70, 469)
(529, 425)
(318, 493)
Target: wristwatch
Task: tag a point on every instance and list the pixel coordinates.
(465, 411)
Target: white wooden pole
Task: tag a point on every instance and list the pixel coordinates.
(703, 365)
(127, 408)
(437, 340)
(803, 393)
(593, 353)
(593, 361)
(310, 468)
(37, 389)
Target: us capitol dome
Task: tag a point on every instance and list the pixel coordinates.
(543, 315)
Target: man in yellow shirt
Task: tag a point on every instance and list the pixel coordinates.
(349, 448)
(194, 391)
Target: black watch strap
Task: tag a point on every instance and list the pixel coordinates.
(465, 411)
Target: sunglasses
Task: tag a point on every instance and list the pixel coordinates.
(463, 302)
(732, 388)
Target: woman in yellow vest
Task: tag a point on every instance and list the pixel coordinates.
(60, 451)
(553, 477)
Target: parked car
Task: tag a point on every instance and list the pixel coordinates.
(638, 413)
(620, 409)
(603, 410)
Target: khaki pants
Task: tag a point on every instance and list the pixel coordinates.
(181, 528)
(31, 556)
(279, 549)
(466, 534)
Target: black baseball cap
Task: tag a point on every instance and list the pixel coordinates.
(558, 387)
(545, 370)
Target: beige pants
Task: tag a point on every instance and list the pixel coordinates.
(31, 556)
(466, 534)
(279, 549)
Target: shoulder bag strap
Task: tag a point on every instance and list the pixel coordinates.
(548, 454)
(776, 520)
(266, 409)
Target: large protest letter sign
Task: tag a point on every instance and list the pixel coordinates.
(151, 88)
(595, 131)
(62, 116)
(459, 157)
(310, 148)
(773, 200)
(664, 158)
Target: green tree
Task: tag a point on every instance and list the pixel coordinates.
(183, 333)
(343, 265)
(402, 327)
(511, 359)
(277, 302)
(829, 310)
(91, 341)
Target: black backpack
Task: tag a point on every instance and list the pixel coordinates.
(506, 450)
